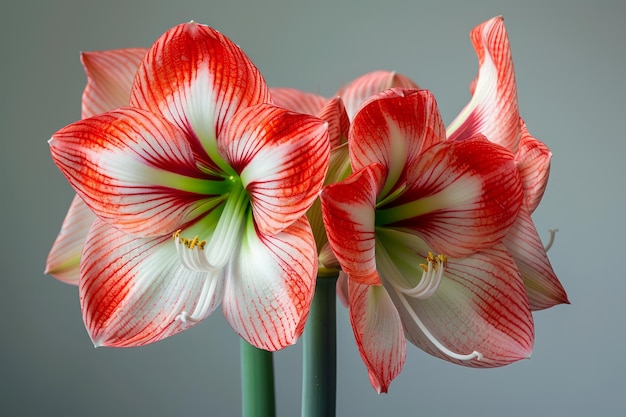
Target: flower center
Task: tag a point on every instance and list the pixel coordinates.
(215, 252)
(212, 255)
(431, 277)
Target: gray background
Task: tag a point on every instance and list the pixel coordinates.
(570, 65)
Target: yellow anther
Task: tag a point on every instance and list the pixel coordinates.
(189, 243)
(434, 262)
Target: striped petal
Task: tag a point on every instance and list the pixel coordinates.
(378, 332)
(271, 284)
(334, 113)
(542, 285)
(134, 291)
(533, 162)
(298, 101)
(349, 214)
(493, 109)
(110, 75)
(480, 306)
(64, 258)
(342, 289)
(367, 85)
(338, 170)
(134, 170)
(392, 130)
(281, 158)
(460, 197)
(197, 79)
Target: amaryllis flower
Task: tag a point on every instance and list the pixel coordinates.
(493, 111)
(418, 228)
(200, 188)
(338, 112)
(110, 75)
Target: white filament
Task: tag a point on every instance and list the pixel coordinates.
(474, 355)
(430, 281)
(205, 302)
(428, 285)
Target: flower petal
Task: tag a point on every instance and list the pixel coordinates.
(197, 79)
(392, 130)
(270, 286)
(331, 111)
(133, 290)
(349, 213)
(110, 75)
(298, 101)
(64, 258)
(281, 158)
(493, 109)
(542, 285)
(335, 114)
(367, 85)
(378, 331)
(342, 289)
(460, 197)
(134, 170)
(533, 162)
(338, 170)
(480, 305)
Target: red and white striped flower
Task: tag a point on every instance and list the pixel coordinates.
(418, 228)
(493, 111)
(338, 112)
(200, 188)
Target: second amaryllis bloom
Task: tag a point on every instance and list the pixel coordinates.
(200, 189)
(493, 111)
(418, 228)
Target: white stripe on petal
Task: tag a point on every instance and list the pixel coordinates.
(133, 290)
(135, 170)
(270, 286)
(493, 109)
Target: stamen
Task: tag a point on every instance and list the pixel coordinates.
(428, 285)
(205, 302)
(468, 357)
(431, 277)
(189, 243)
(551, 241)
(198, 255)
(190, 253)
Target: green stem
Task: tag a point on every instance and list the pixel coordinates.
(257, 377)
(319, 376)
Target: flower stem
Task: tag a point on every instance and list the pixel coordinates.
(319, 376)
(257, 377)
